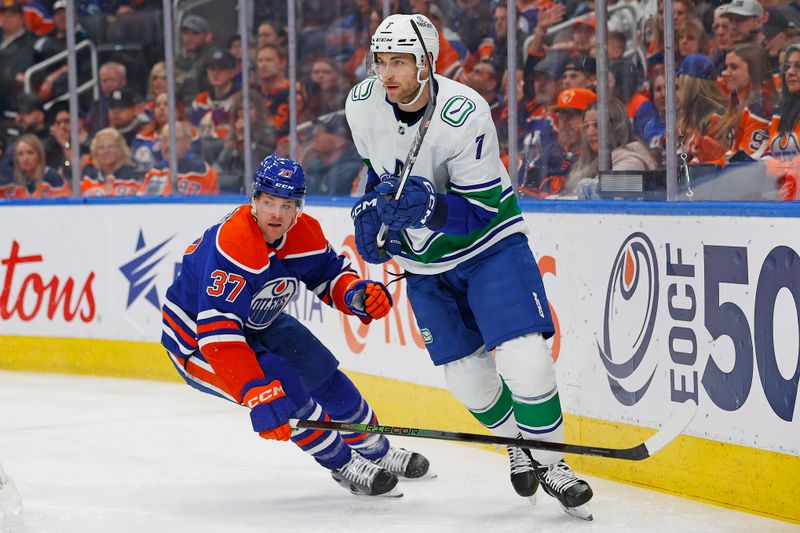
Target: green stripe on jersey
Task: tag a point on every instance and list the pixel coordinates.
(447, 244)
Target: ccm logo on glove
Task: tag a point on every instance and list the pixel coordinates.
(258, 395)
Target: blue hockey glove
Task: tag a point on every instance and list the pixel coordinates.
(415, 206)
(368, 299)
(367, 225)
(270, 409)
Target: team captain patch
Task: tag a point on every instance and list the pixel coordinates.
(457, 109)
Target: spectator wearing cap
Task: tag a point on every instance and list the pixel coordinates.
(335, 163)
(112, 172)
(209, 112)
(549, 174)
(16, 44)
(579, 72)
(273, 85)
(745, 17)
(263, 136)
(782, 22)
(32, 178)
(190, 63)
(125, 113)
(113, 77)
(627, 151)
(57, 148)
(30, 115)
(195, 175)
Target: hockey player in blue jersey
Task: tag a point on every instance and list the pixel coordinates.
(225, 330)
(472, 281)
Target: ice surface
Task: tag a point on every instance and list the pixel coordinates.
(112, 455)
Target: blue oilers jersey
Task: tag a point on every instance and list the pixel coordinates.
(233, 283)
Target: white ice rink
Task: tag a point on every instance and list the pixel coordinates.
(121, 456)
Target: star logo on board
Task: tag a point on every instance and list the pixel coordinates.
(141, 272)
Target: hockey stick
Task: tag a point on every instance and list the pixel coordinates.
(411, 158)
(674, 426)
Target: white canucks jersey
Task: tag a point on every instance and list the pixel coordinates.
(459, 155)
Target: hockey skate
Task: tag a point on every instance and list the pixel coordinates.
(403, 463)
(559, 481)
(523, 477)
(363, 477)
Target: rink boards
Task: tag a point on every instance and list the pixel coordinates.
(662, 305)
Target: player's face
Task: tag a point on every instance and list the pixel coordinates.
(398, 72)
(791, 71)
(274, 215)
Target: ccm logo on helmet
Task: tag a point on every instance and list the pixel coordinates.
(267, 394)
(279, 185)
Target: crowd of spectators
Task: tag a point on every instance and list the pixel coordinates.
(737, 85)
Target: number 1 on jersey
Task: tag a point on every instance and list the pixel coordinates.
(479, 140)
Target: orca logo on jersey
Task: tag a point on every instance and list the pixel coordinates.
(457, 109)
(362, 90)
(632, 291)
(270, 301)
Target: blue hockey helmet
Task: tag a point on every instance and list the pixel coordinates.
(281, 177)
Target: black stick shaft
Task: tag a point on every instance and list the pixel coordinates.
(635, 453)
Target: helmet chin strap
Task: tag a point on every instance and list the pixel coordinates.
(421, 87)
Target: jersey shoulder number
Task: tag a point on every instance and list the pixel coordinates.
(362, 90)
(457, 109)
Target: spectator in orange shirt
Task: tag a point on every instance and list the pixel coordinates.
(112, 173)
(274, 85)
(32, 178)
(195, 175)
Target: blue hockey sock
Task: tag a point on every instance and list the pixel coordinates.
(344, 403)
(327, 447)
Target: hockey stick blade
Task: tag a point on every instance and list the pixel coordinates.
(674, 426)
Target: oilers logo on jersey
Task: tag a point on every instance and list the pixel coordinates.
(270, 301)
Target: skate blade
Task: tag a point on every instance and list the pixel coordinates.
(394, 493)
(532, 498)
(584, 512)
(428, 475)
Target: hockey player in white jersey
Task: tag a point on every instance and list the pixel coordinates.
(458, 232)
